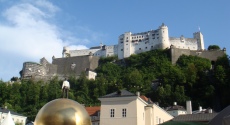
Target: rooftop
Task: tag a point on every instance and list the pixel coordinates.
(92, 111)
(176, 107)
(206, 117)
(4, 110)
(120, 93)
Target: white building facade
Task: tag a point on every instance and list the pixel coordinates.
(125, 108)
(129, 43)
(17, 118)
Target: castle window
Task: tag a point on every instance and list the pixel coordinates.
(127, 41)
(139, 48)
(146, 47)
(127, 37)
(121, 49)
(124, 112)
(151, 46)
(112, 112)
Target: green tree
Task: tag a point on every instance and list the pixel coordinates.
(213, 47)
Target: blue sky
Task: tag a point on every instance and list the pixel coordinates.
(32, 29)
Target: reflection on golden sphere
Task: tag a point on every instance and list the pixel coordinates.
(62, 112)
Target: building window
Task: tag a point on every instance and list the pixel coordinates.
(146, 47)
(121, 49)
(127, 41)
(151, 46)
(123, 112)
(139, 48)
(112, 112)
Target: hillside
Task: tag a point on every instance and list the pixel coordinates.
(151, 73)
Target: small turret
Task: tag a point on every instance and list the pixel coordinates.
(65, 52)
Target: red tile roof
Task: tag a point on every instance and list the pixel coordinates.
(144, 98)
(93, 110)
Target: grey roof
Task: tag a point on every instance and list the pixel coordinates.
(121, 93)
(205, 117)
(3, 110)
(218, 119)
(176, 107)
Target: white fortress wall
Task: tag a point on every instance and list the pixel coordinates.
(111, 50)
(184, 43)
(129, 44)
(83, 52)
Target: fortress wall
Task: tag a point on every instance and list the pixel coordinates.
(211, 55)
(51, 69)
(82, 52)
(94, 61)
(111, 50)
(74, 65)
(31, 69)
(176, 53)
(184, 43)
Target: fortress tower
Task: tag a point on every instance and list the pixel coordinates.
(200, 40)
(164, 36)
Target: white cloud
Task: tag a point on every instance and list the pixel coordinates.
(27, 33)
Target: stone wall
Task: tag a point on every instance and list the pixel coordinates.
(61, 67)
(31, 69)
(212, 55)
(73, 66)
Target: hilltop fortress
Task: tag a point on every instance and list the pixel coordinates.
(73, 62)
(129, 44)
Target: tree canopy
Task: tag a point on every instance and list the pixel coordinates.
(150, 73)
(213, 47)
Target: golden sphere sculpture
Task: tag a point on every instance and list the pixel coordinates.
(62, 112)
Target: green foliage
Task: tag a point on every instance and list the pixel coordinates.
(213, 47)
(191, 78)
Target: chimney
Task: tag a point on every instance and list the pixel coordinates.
(209, 110)
(138, 93)
(189, 107)
(174, 103)
(200, 108)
